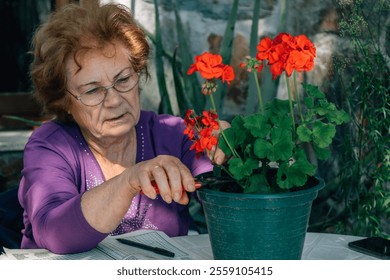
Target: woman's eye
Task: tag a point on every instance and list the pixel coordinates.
(123, 80)
(91, 91)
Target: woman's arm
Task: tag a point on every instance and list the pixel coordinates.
(105, 205)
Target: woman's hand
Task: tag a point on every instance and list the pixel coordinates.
(171, 176)
(216, 155)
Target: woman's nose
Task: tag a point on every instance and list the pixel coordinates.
(113, 97)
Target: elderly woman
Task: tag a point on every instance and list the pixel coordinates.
(84, 169)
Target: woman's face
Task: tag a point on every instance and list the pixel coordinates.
(119, 112)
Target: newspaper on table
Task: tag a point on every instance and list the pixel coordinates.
(111, 249)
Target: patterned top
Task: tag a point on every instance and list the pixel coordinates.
(59, 167)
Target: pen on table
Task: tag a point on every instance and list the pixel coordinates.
(156, 250)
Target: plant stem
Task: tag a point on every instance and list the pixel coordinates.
(298, 98)
(259, 92)
(234, 152)
(290, 99)
(27, 121)
(227, 171)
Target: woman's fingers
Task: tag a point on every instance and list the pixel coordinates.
(167, 176)
(216, 155)
(160, 177)
(219, 157)
(145, 183)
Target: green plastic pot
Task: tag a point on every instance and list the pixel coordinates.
(258, 226)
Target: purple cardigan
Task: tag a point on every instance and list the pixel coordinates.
(59, 167)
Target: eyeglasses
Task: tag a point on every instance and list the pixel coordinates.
(96, 95)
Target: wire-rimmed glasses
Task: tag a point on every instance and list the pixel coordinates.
(124, 83)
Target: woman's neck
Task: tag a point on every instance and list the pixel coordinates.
(114, 155)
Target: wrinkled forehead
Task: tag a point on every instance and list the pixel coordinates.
(96, 63)
(91, 49)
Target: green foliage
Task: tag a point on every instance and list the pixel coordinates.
(263, 141)
(362, 146)
(362, 184)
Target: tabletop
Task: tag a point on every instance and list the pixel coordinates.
(318, 246)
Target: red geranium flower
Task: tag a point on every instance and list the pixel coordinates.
(210, 67)
(200, 130)
(287, 53)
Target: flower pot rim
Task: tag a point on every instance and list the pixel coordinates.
(315, 188)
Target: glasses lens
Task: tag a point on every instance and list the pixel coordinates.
(93, 97)
(126, 82)
(123, 84)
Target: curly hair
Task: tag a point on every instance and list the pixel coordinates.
(73, 30)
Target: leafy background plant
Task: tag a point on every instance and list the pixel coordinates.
(360, 191)
(356, 200)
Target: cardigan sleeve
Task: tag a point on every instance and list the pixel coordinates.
(50, 195)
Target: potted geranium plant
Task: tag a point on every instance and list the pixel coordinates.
(267, 153)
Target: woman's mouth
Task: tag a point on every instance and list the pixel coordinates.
(116, 118)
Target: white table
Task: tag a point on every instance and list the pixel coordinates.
(318, 246)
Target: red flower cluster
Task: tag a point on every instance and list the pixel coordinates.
(211, 68)
(200, 130)
(287, 53)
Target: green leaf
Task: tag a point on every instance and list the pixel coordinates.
(278, 107)
(282, 144)
(303, 164)
(324, 108)
(257, 184)
(240, 132)
(309, 102)
(330, 111)
(339, 117)
(323, 134)
(292, 174)
(278, 112)
(321, 153)
(283, 122)
(313, 91)
(280, 147)
(240, 169)
(230, 137)
(261, 147)
(284, 180)
(328, 105)
(257, 125)
(304, 133)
